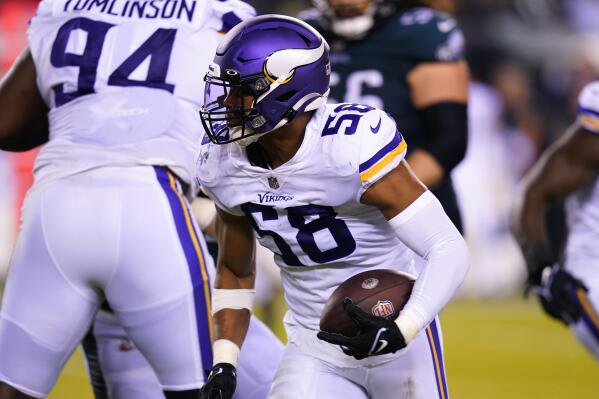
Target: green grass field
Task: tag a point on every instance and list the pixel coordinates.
(504, 349)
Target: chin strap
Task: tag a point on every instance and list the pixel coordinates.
(314, 101)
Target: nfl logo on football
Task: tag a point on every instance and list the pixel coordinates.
(383, 309)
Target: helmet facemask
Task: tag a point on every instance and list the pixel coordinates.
(229, 112)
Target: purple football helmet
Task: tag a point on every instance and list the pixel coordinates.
(267, 70)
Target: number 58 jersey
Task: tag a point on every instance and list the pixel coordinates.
(308, 210)
(124, 80)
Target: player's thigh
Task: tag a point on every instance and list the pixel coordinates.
(160, 291)
(418, 374)
(120, 367)
(300, 376)
(45, 311)
(260, 355)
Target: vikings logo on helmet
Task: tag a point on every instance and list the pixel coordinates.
(383, 309)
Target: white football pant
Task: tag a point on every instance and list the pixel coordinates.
(419, 373)
(121, 234)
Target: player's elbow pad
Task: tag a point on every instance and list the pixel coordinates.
(426, 229)
(445, 127)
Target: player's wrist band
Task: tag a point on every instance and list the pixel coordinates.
(232, 299)
(225, 351)
(408, 327)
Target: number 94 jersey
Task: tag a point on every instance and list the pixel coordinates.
(124, 79)
(308, 210)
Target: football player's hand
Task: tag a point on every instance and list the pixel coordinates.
(221, 382)
(537, 258)
(558, 294)
(377, 335)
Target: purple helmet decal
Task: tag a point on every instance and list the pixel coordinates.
(267, 70)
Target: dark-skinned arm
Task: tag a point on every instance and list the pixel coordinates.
(569, 164)
(235, 272)
(23, 113)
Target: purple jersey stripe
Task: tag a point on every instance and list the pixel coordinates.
(195, 263)
(434, 342)
(382, 152)
(587, 111)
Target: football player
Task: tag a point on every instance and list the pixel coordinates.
(107, 219)
(326, 188)
(568, 290)
(406, 58)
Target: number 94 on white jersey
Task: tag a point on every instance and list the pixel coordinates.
(125, 73)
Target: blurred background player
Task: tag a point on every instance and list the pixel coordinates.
(327, 189)
(118, 132)
(568, 289)
(406, 58)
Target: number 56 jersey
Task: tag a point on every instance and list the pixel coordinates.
(124, 79)
(308, 210)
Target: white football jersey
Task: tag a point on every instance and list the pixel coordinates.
(308, 210)
(582, 207)
(124, 80)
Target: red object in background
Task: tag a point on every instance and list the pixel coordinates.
(14, 18)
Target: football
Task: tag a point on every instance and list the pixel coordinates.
(379, 292)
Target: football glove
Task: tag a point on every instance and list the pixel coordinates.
(376, 336)
(558, 294)
(221, 383)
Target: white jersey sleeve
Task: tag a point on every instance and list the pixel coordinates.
(588, 107)
(382, 147)
(231, 12)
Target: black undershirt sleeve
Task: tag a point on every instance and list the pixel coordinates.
(445, 129)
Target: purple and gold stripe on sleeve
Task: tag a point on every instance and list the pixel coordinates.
(383, 157)
(589, 118)
(196, 263)
(589, 315)
(434, 341)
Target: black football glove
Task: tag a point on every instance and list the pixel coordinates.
(376, 336)
(558, 294)
(221, 382)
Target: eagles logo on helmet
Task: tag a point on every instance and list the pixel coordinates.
(259, 80)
